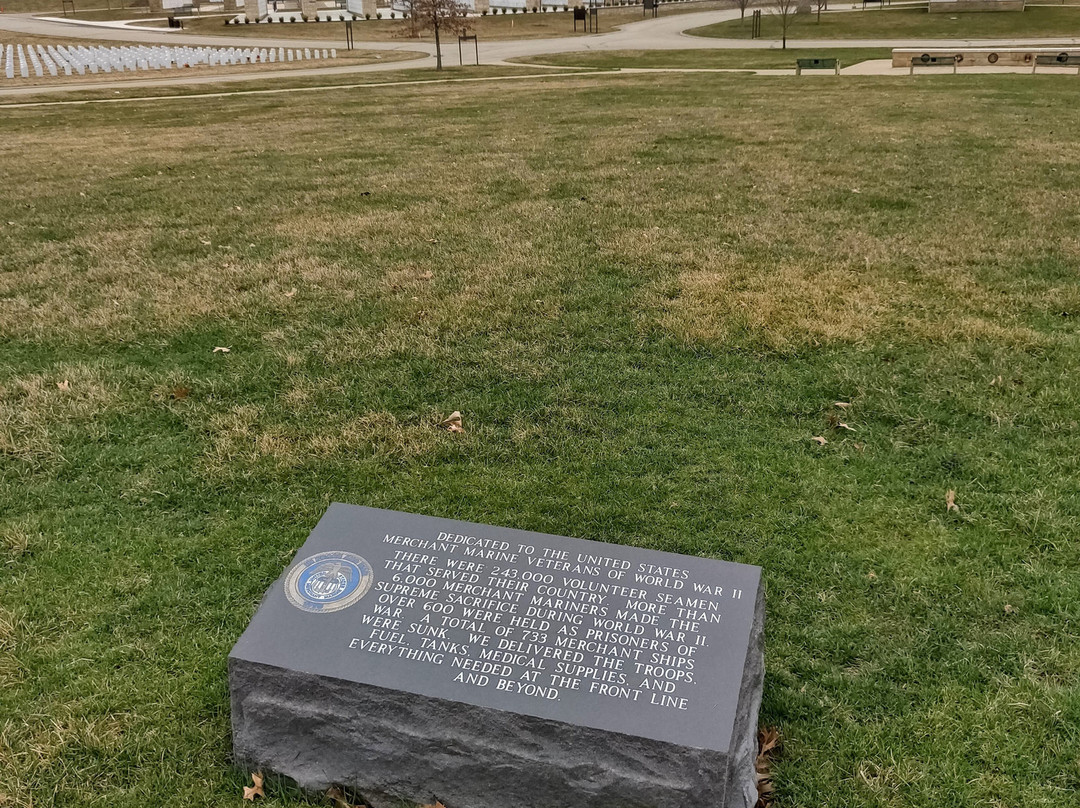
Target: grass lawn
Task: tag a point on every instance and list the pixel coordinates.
(645, 295)
(1036, 21)
(750, 58)
(13, 38)
(257, 85)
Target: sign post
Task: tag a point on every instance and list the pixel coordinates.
(476, 45)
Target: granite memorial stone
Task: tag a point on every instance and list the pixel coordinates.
(408, 656)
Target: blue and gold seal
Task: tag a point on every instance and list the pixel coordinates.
(328, 582)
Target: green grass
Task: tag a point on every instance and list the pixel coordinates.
(645, 297)
(711, 58)
(905, 24)
(257, 85)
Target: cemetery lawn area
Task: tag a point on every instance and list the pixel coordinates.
(646, 295)
(343, 80)
(1035, 21)
(116, 81)
(708, 58)
(501, 26)
(13, 38)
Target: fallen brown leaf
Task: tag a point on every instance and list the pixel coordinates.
(220, 349)
(950, 501)
(179, 393)
(453, 423)
(819, 440)
(769, 739)
(768, 750)
(291, 292)
(842, 425)
(427, 276)
(337, 796)
(64, 385)
(256, 790)
(1010, 609)
(842, 404)
(435, 804)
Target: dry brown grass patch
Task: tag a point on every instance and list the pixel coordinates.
(247, 435)
(31, 407)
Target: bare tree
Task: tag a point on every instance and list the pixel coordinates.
(821, 4)
(742, 4)
(786, 9)
(439, 16)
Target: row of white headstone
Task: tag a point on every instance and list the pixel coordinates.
(79, 59)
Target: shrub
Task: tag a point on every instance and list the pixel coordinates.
(367, 16)
(378, 15)
(292, 19)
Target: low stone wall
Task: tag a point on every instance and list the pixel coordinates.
(979, 57)
(941, 6)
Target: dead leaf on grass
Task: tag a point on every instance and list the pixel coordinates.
(453, 423)
(950, 501)
(435, 804)
(291, 292)
(64, 385)
(842, 404)
(842, 425)
(220, 349)
(768, 751)
(179, 393)
(1010, 609)
(256, 790)
(337, 796)
(819, 440)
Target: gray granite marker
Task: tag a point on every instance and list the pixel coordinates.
(407, 657)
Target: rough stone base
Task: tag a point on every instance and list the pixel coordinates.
(390, 745)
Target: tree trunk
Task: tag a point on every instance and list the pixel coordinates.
(438, 50)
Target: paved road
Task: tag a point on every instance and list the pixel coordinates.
(663, 33)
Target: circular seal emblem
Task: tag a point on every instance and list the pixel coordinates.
(328, 582)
